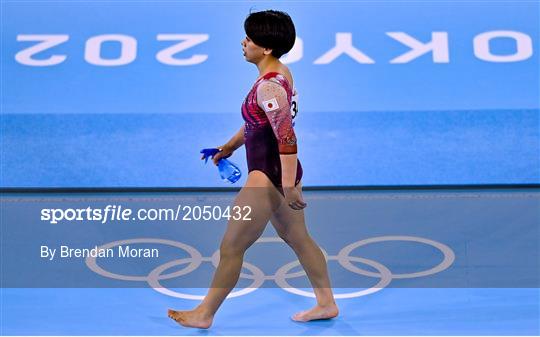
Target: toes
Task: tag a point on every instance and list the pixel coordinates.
(310, 315)
(175, 315)
(298, 317)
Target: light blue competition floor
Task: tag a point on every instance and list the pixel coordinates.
(266, 311)
(451, 262)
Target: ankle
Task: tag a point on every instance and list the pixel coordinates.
(327, 304)
(204, 311)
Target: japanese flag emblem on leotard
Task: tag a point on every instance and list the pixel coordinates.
(270, 105)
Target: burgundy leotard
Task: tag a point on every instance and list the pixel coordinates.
(268, 130)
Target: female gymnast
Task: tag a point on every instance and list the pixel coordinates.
(273, 189)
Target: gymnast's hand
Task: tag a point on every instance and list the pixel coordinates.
(293, 198)
(225, 152)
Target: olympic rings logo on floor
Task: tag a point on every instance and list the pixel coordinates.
(282, 274)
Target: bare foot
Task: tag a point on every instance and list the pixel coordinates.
(191, 319)
(317, 312)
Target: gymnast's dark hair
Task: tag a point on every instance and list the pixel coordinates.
(271, 29)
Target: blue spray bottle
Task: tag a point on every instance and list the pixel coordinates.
(228, 171)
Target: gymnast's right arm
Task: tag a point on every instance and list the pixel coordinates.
(228, 148)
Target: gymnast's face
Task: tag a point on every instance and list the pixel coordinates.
(252, 52)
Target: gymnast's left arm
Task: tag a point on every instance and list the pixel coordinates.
(272, 98)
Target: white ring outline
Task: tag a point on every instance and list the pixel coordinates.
(280, 276)
(344, 256)
(386, 278)
(195, 257)
(266, 239)
(154, 276)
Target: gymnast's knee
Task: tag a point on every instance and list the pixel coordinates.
(229, 249)
(295, 240)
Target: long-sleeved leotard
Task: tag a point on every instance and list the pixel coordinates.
(268, 126)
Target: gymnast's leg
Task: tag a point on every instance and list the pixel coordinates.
(239, 236)
(291, 227)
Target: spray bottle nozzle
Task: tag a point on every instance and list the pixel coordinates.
(209, 153)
